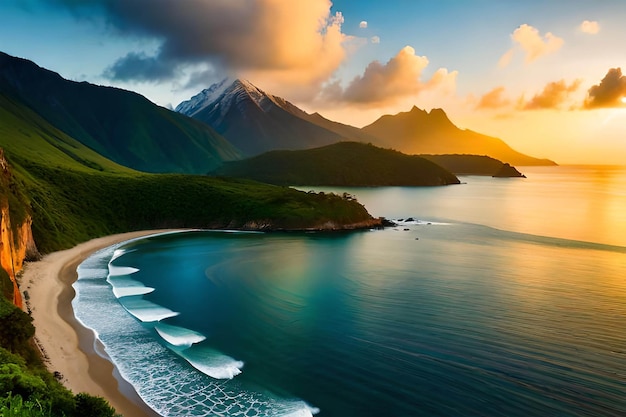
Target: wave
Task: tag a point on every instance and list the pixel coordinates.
(173, 380)
(116, 271)
(303, 411)
(178, 336)
(211, 362)
(146, 311)
(131, 291)
(125, 287)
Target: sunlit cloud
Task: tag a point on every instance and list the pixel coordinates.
(386, 84)
(532, 44)
(553, 96)
(609, 93)
(294, 40)
(590, 27)
(506, 58)
(494, 99)
(363, 24)
(375, 39)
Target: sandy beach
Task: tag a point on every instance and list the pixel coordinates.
(67, 346)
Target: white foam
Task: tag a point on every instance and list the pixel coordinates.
(146, 311)
(120, 292)
(304, 411)
(211, 362)
(125, 287)
(116, 254)
(116, 271)
(178, 336)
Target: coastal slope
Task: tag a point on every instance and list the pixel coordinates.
(343, 163)
(474, 165)
(120, 125)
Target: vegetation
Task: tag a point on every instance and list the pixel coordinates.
(72, 193)
(75, 194)
(27, 389)
(344, 163)
(123, 126)
(473, 165)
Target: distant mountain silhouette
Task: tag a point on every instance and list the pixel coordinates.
(257, 122)
(474, 165)
(120, 125)
(343, 163)
(420, 132)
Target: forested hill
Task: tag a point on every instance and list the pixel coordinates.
(344, 163)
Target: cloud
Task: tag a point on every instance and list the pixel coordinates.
(610, 91)
(363, 24)
(553, 95)
(590, 26)
(140, 67)
(375, 39)
(298, 38)
(385, 84)
(493, 99)
(533, 45)
(505, 59)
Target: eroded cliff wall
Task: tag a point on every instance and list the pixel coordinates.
(16, 246)
(16, 236)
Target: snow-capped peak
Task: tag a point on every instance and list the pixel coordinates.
(203, 99)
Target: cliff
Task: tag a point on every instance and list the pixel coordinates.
(16, 237)
(16, 246)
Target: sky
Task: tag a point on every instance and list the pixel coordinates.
(543, 75)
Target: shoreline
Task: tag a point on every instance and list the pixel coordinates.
(66, 345)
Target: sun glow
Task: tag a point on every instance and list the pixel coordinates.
(623, 100)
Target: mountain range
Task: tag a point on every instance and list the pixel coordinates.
(120, 125)
(256, 122)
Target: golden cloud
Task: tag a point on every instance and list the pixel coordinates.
(293, 39)
(553, 95)
(532, 44)
(609, 93)
(385, 84)
(493, 99)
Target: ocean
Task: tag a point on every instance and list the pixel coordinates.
(495, 297)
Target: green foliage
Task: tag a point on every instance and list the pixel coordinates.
(29, 390)
(15, 406)
(69, 207)
(16, 328)
(121, 125)
(6, 285)
(344, 163)
(87, 405)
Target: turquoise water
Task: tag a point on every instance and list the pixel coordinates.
(478, 305)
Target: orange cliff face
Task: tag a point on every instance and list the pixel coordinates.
(15, 249)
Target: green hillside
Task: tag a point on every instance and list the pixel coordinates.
(121, 125)
(344, 163)
(74, 194)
